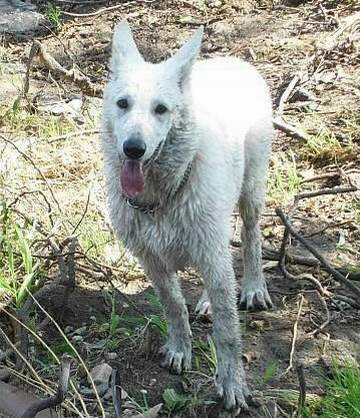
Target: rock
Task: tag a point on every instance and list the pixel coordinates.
(77, 338)
(101, 376)
(20, 18)
(81, 331)
(150, 413)
(111, 356)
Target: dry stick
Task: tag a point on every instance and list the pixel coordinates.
(290, 130)
(101, 11)
(58, 398)
(333, 190)
(24, 359)
(91, 380)
(43, 343)
(302, 390)
(72, 134)
(83, 214)
(74, 75)
(337, 276)
(293, 343)
(33, 52)
(285, 96)
(29, 159)
(116, 392)
(327, 320)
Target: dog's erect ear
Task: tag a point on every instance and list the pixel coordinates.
(124, 49)
(185, 57)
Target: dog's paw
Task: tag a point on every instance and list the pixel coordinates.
(234, 392)
(255, 297)
(177, 357)
(203, 307)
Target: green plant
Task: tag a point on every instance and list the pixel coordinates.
(54, 14)
(174, 401)
(17, 270)
(284, 180)
(205, 354)
(269, 373)
(342, 399)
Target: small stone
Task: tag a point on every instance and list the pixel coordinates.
(108, 395)
(101, 376)
(81, 331)
(77, 338)
(111, 356)
(68, 329)
(152, 382)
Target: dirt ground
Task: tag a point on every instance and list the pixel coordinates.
(51, 172)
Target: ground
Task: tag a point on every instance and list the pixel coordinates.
(52, 189)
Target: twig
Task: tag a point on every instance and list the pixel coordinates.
(74, 75)
(295, 332)
(327, 320)
(290, 130)
(285, 96)
(101, 11)
(337, 276)
(302, 390)
(116, 392)
(91, 380)
(333, 190)
(72, 134)
(83, 214)
(29, 159)
(58, 398)
(33, 52)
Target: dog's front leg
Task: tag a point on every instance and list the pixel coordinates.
(221, 288)
(177, 350)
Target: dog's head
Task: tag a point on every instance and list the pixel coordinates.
(142, 102)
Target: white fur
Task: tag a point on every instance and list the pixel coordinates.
(220, 118)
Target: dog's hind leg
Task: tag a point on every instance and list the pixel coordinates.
(254, 293)
(177, 350)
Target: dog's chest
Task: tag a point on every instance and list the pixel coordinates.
(172, 237)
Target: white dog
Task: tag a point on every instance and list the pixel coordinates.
(184, 143)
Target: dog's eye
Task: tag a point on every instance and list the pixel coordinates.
(160, 109)
(123, 103)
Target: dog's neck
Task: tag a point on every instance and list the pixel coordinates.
(170, 172)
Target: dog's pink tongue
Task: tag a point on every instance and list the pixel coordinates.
(132, 178)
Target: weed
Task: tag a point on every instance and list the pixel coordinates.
(17, 274)
(174, 401)
(205, 354)
(18, 120)
(269, 373)
(54, 15)
(342, 399)
(284, 180)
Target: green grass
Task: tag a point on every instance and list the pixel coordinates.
(17, 119)
(342, 399)
(54, 15)
(284, 179)
(17, 268)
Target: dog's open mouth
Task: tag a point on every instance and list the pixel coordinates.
(132, 178)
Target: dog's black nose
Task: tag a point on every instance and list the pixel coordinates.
(134, 148)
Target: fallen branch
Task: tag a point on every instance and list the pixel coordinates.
(302, 390)
(285, 96)
(58, 398)
(295, 332)
(337, 276)
(73, 75)
(290, 130)
(116, 392)
(321, 192)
